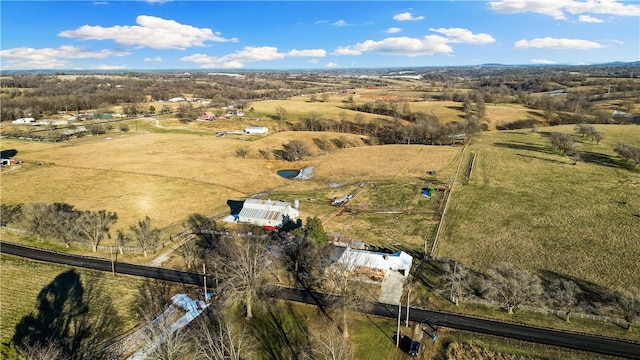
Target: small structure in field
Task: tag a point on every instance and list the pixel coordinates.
(208, 116)
(372, 263)
(269, 213)
(22, 121)
(256, 130)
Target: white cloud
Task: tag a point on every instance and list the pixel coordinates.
(111, 67)
(331, 65)
(340, 23)
(100, 3)
(307, 53)
(393, 30)
(151, 31)
(589, 19)
(249, 54)
(428, 45)
(558, 8)
(551, 43)
(50, 58)
(313, 61)
(155, 59)
(458, 35)
(543, 61)
(321, 22)
(407, 16)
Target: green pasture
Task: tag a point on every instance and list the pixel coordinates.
(530, 206)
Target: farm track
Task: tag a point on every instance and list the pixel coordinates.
(149, 174)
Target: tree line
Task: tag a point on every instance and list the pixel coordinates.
(512, 288)
(64, 223)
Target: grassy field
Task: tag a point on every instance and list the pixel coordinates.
(22, 281)
(532, 207)
(170, 174)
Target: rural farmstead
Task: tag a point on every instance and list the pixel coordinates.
(267, 212)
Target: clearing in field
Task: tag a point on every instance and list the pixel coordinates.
(532, 207)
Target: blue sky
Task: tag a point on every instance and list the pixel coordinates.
(88, 35)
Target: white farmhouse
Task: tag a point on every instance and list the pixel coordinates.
(267, 212)
(177, 99)
(369, 261)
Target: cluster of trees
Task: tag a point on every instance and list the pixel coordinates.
(421, 128)
(628, 152)
(62, 222)
(510, 287)
(590, 132)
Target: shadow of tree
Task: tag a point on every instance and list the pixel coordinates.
(77, 318)
(281, 334)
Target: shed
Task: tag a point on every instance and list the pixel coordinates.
(256, 130)
(267, 212)
(29, 120)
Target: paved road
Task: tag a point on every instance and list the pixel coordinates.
(543, 336)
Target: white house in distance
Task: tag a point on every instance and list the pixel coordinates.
(369, 261)
(29, 120)
(177, 99)
(267, 213)
(256, 130)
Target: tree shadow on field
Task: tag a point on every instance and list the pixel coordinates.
(544, 159)
(523, 146)
(8, 154)
(78, 319)
(280, 331)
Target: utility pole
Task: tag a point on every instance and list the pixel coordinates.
(453, 282)
(113, 263)
(204, 276)
(408, 294)
(398, 334)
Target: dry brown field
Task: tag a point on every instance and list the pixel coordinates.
(168, 176)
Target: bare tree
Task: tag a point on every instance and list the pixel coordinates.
(243, 265)
(122, 239)
(628, 305)
(281, 113)
(455, 281)
(93, 226)
(512, 286)
(341, 279)
(9, 213)
(294, 150)
(216, 339)
(190, 252)
(242, 152)
(147, 236)
(329, 344)
(564, 143)
(47, 351)
(164, 341)
(564, 296)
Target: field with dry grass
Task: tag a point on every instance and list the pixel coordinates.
(171, 174)
(532, 207)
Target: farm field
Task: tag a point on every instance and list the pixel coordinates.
(170, 175)
(531, 207)
(22, 282)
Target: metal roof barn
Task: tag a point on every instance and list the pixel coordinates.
(267, 212)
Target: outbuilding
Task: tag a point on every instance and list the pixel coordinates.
(256, 130)
(28, 120)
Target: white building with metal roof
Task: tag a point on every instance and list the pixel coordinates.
(267, 212)
(354, 260)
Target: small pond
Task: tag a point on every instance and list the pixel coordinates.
(289, 174)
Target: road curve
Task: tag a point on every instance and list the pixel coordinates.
(584, 342)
